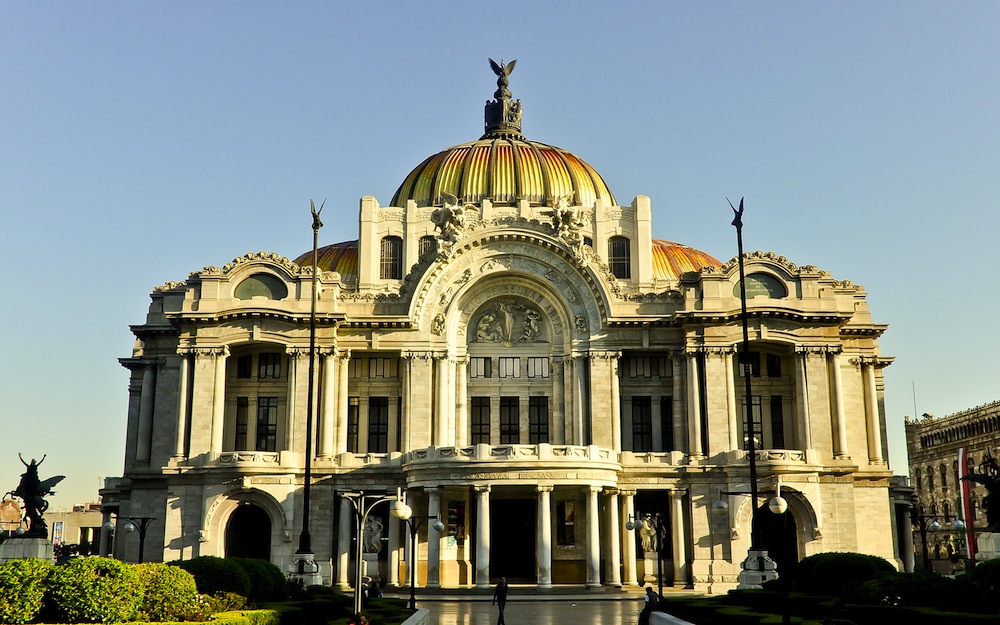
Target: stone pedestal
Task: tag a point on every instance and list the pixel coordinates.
(649, 567)
(22, 548)
(757, 569)
(987, 546)
(305, 569)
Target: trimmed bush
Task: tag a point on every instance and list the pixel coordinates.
(22, 589)
(838, 574)
(170, 595)
(95, 590)
(267, 582)
(215, 575)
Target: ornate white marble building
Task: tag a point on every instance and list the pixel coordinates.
(515, 351)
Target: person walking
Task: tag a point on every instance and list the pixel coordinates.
(500, 598)
(651, 600)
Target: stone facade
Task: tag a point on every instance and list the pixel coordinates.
(542, 373)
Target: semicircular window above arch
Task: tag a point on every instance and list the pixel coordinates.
(261, 285)
(762, 284)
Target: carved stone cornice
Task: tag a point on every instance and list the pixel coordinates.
(627, 492)
(543, 488)
(481, 488)
(205, 351)
(594, 490)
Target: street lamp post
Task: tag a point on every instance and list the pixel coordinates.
(363, 505)
(930, 522)
(134, 523)
(401, 511)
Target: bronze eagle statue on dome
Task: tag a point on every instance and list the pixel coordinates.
(502, 70)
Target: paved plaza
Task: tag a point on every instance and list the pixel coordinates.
(525, 610)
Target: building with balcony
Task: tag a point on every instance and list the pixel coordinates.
(513, 350)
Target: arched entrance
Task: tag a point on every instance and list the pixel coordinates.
(248, 533)
(777, 533)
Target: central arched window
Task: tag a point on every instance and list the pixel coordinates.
(620, 257)
(392, 259)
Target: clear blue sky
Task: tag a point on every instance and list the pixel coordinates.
(140, 141)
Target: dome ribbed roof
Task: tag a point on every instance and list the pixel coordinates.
(339, 257)
(671, 260)
(503, 169)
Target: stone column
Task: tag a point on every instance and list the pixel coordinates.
(395, 525)
(871, 413)
(147, 396)
(677, 365)
(558, 402)
(180, 450)
(580, 403)
(294, 354)
(616, 403)
(627, 503)
(461, 402)
(433, 537)
(482, 536)
(344, 542)
(734, 428)
(840, 421)
(328, 410)
(219, 400)
(802, 397)
(405, 363)
(440, 404)
(343, 378)
(544, 531)
(614, 535)
(694, 407)
(593, 539)
(677, 537)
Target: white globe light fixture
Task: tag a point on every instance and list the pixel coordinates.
(777, 505)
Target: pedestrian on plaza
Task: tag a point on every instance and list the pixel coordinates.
(500, 598)
(651, 600)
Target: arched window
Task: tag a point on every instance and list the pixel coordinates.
(261, 285)
(944, 476)
(392, 259)
(930, 479)
(426, 246)
(620, 257)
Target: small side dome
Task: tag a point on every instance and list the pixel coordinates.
(261, 285)
(340, 257)
(671, 260)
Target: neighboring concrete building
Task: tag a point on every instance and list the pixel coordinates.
(932, 444)
(515, 351)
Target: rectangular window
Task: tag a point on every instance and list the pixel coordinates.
(242, 423)
(353, 414)
(777, 423)
(773, 364)
(538, 420)
(378, 425)
(244, 367)
(480, 419)
(510, 367)
(381, 368)
(480, 367)
(620, 257)
(758, 439)
(640, 367)
(269, 366)
(391, 266)
(426, 246)
(754, 361)
(565, 524)
(667, 423)
(642, 424)
(509, 421)
(538, 367)
(267, 424)
(663, 367)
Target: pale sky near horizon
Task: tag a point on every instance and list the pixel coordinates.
(141, 141)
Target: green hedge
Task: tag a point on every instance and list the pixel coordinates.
(95, 590)
(267, 582)
(247, 617)
(170, 593)
(215, 575)
(22, 589)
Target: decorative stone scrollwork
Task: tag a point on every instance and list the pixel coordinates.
(580, 324)
(438, 325)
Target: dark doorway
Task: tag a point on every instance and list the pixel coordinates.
(248, 533)
(777, 534)
(512, 540)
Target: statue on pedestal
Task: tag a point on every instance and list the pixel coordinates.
(32, 490)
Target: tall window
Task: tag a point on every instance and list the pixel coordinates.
(244, 366)
(267, 424)
(642, 424)
(538, 367)
(773, 365)
(510, 367)
(509, 421)
(480, 418)
(269, 366)
(426, 246)
(565, 524)
(753, 358)
(353, 413)
(480, 367)
(758, 440)
(620, 257)
(392, 259)
(777, 423)
(538, 420)
(378, 425)
(667, 423)
(242, 422)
